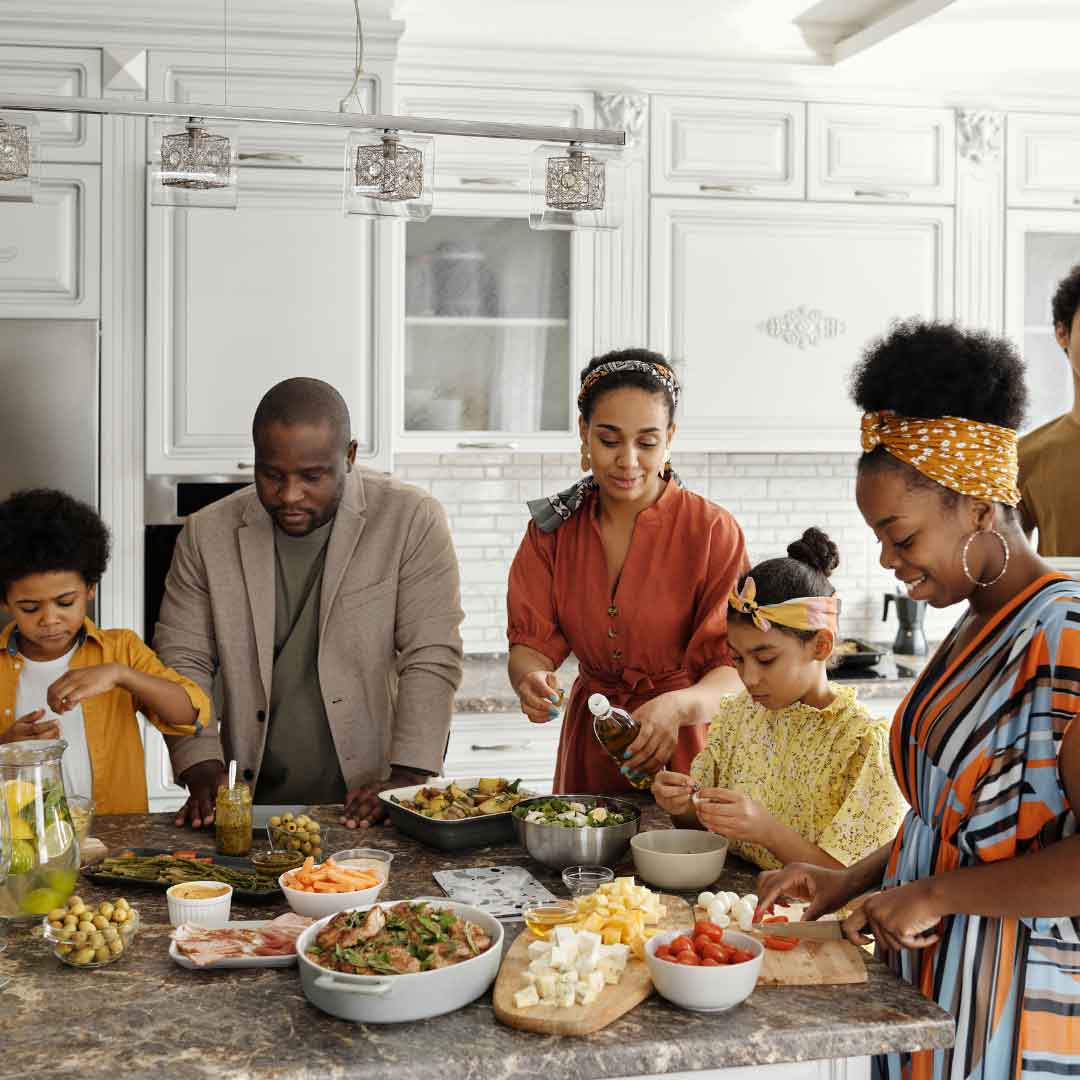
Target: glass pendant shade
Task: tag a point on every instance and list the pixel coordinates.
(389, 175)
(576, 187)
(18, 156)
(193, 165)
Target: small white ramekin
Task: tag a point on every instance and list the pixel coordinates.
(213, 913)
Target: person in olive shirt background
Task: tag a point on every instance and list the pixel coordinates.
(1050, 455)
(328, 599)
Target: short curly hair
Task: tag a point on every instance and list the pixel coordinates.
(43, 530)
(620, 379)
(931, 369)
(1066, 299)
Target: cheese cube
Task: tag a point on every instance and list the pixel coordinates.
(538, 949)
(564, 996)
(530, 977)
(586, 963)
(594, 923)
(566, 936)
(541, 965)
(588, 943)
(610, 973)
(526, 997)
(583, 995)
(559, 959)
(611, 935)
(595, 981)
(546, 985)
(566, 978)
(615, 954)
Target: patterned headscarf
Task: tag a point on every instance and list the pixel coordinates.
(802, 613)
(661, 373)
(966, 456)
(551, 511)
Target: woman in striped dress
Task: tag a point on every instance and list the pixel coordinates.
(977, 900)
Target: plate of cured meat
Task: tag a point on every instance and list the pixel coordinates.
(238, 944)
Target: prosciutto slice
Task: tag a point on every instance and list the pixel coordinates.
(204, 947)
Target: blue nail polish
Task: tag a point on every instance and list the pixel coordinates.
(626, 754)
(553, 714)
(623, 770)
(554, 699)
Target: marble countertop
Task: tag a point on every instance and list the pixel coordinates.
(485, 687)
(144, 1016)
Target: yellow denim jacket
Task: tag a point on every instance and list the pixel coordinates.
(112, 730)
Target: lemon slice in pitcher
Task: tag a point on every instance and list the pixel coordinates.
(56, 839)
(18, 793)
(20, 829)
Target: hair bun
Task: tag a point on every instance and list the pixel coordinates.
(816, 550)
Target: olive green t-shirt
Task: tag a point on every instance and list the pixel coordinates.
(1049, 462)
(300, 762)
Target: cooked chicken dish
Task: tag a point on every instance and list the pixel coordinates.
(396, 940)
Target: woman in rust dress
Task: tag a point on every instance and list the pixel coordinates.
(631, 573)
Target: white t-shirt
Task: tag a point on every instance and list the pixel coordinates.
(34, 681)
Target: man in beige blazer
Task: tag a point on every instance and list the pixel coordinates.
(327, 597)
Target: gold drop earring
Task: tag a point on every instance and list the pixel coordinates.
(586, 460)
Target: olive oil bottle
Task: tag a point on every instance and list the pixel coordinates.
(616, 729)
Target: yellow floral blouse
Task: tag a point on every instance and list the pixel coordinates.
(823, 772)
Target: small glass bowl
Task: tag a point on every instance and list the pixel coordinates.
(542, 917)
(276, 860)
(583, 880)
(364, 857)
(65, 950)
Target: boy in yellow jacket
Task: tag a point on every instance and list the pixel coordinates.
(61, 676)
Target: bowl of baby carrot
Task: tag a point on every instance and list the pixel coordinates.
(316, 890)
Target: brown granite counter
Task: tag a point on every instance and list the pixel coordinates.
(486, 689)
(146, 1017)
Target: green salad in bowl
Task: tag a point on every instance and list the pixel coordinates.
(570, 814)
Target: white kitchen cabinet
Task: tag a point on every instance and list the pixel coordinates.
(467, 164)
(50, 249)
(872, 153)
(1043, 161)
(503, 744)
(35, 70)
(728, 149)
(285, 285)
(1041, 247)
(163, 793)
(764, 307)
(495, 320)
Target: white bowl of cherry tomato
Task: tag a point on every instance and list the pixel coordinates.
(707, 969)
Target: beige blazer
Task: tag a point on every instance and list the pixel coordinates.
(389, 647)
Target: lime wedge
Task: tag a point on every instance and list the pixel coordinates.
(56, 839)
(41, 901)
(20, 829)
(23, 857)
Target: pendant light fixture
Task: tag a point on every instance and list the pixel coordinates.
(18, 154)
(575, 187)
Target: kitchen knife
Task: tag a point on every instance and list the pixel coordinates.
(826, 930)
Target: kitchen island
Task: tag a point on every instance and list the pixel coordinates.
(144, 1016)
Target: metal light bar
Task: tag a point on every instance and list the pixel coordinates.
(316, 118)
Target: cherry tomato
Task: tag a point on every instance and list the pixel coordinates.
(710, 962)
(781, 944)
(708, 929)
(700, 941)
(681, 944)
(739, 956)
(688, 956)
(663, 953)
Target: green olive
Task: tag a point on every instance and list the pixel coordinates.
(275, 820)
(96, 941)
(80, 910)
(111, 933)
(66, 933)
(86, 926)
(306, 849)
(116, 947)
(56, 924)
(79, 939)
(121, 903)
(315, 827)
(121, 915)
(287, 816)
(105, 909)
(74, 902)
(71, 920)
(64, 950)
(83, 956)
(291, 826)
(100, 922)
(102, 955)
(57, 915)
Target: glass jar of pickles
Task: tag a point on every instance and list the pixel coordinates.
(232, 820)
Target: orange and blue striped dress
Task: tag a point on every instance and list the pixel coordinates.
(975, 747)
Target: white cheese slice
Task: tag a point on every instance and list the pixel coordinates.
(526, 998)
(546, 985)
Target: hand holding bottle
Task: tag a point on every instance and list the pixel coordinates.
(540, 696)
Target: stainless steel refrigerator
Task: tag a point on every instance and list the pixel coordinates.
(49, 406)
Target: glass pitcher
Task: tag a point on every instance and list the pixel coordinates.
(45, 852)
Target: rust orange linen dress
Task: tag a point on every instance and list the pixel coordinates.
(665, 627)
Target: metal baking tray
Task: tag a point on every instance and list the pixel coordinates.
(457, 835)
(865, 656)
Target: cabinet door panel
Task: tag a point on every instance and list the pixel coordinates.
(238, 300)
(1043, 159)
(468, 164)
(763, 339)
(503, 744)
(867, 152)
(703, 146)
(59, 73)
(50, 249)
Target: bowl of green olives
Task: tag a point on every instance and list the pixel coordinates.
(287, 832)
(91, 937)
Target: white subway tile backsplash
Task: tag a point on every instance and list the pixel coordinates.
(774, 497)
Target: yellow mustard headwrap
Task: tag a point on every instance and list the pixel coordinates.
(966, 456)
(802, 613)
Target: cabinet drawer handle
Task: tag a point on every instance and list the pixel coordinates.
(9, 254)
(272, 155)
(489, 181)
(731, 189)
(487, 445)
(869, 194)
(244, 465)
(503, 746)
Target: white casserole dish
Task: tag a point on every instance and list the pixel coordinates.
(394, 999)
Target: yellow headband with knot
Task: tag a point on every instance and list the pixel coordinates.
(801, 613)
(966, 456)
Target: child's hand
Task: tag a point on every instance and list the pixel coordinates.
(732, 814)
(74, 687)
(672, 791)
(31, 726)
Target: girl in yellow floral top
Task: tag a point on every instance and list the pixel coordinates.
(795, 769)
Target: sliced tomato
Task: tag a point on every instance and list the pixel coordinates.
(760, 912)
(681, 944)
(704, 928)
(781, 944)
(776, 919)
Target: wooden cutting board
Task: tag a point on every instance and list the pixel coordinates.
(632, 989)
(811, 963)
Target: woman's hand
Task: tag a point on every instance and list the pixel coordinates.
(31, 726)
(75, 686)
(540, 694)
(826, 890)
(903, 917)
(672, 791)
(660, 720)
(731, 813)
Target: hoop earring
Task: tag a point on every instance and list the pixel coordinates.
(964, 558)
(586, 460)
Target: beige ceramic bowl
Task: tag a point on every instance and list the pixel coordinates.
(679, 858)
